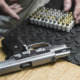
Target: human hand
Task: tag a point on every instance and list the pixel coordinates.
(10, 10)
(67, 7)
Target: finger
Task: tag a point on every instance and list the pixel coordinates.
(7, 9)
(77, 21)
(77, 9)
(12, 0)
(14, 6)
(67, 5)
(18, 10)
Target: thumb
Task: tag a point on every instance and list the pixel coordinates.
(67, 5)
(8, 10)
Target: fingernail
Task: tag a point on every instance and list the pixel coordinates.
(18, 18)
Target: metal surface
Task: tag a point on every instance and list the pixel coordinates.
(38, 56)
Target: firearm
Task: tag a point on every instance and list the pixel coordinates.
(34, 55)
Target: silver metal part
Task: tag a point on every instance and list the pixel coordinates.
(39, 54)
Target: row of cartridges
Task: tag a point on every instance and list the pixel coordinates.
(52, 18)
